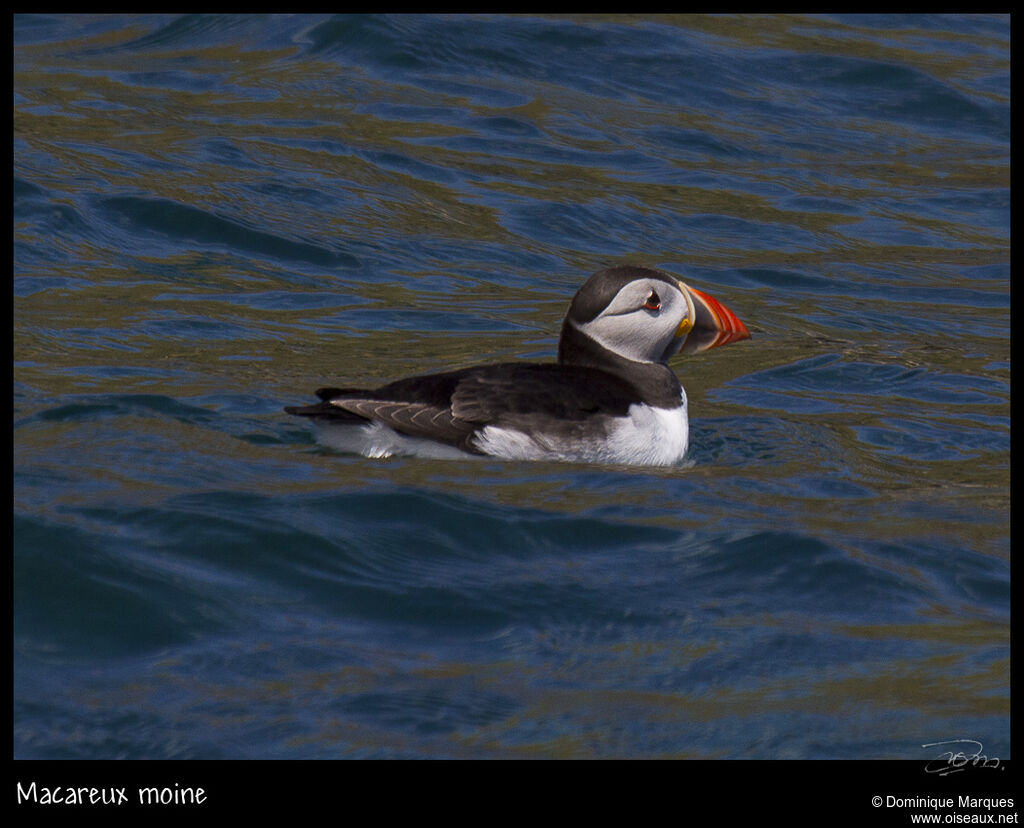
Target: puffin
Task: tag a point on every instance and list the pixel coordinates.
(609, 398)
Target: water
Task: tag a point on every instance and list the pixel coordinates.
(215, 215)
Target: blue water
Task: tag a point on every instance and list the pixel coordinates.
(215, 215)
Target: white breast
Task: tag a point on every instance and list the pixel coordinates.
(651, 436)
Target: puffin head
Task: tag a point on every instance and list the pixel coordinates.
(645, 315)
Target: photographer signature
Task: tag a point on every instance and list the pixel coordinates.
(953, 761)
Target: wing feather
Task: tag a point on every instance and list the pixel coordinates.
(452, 407)
(414, 419)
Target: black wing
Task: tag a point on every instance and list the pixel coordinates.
(451, 407)
(417, 406)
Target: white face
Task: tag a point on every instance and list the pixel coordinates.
(642, 322)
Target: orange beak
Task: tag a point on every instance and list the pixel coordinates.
(711, 323)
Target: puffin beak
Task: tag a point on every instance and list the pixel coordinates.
(709, 324)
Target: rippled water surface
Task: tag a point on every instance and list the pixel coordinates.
(215, 215)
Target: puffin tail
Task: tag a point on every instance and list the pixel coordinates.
(324, 409)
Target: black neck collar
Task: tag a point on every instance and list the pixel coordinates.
(654, 383)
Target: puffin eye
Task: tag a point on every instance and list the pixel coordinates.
(653, 301)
